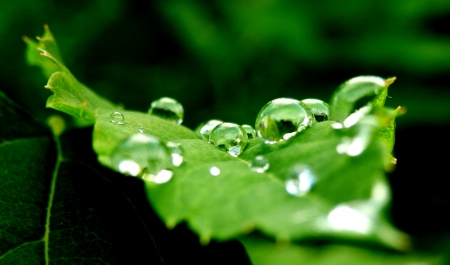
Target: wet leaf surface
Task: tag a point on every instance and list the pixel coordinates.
(349, 184)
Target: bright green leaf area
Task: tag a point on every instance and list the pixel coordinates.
(264, 252)
(347, 202)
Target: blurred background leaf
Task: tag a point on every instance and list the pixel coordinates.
(226, 59)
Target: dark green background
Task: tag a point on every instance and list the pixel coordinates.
(226, 59)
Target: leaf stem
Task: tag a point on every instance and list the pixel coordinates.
(59, 159)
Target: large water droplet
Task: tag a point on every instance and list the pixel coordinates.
(259, 164)
(141, 152)
(282, 118)
(205, 128)
(167, 108)
(214, 171)
(320, 110)
(176, 152)
(229, 137)
(300, 180)
(251, 133)
(116, 117)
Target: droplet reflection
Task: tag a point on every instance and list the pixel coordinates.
(344, 217)
(161, 177)
(176, 152)
(300, 180)
(214, 171)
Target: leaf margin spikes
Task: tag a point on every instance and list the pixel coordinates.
(69, 95)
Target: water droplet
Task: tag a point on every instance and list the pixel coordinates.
(259, 164)
(229, 137)
(300, 180)
(354, 146)
(205, 128)
(356, 116)
(161, 177)
(251, 133)
(344, 217)
(176, 152)
(320, 110)
(141, 152)
(214, 171)
(337, 125)
(282, 118)
(116, 117)
(167, 108)
(129, 168)
(140, 129)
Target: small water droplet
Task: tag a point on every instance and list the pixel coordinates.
(300, 180)
(320, 109)
(282, 118)
(140, 129)
(167, 108)
(214, 171)
(161, 177)
(138, 152)
(205, 128)
(176, 152)
(229, 137)
(251, 133)
(259, 164)
(116, 117)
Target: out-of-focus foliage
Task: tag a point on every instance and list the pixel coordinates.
(242, 54)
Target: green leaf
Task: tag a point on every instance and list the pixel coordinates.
(263, 252)
(57, 209)
(348, 165)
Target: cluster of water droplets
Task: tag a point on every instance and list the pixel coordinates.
(282, 118)
(144, 155)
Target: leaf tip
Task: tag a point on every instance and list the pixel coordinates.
(400, 110)
(247, 228)
(205, 239)
(389, 81)
(171, 224)
(46, 26)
